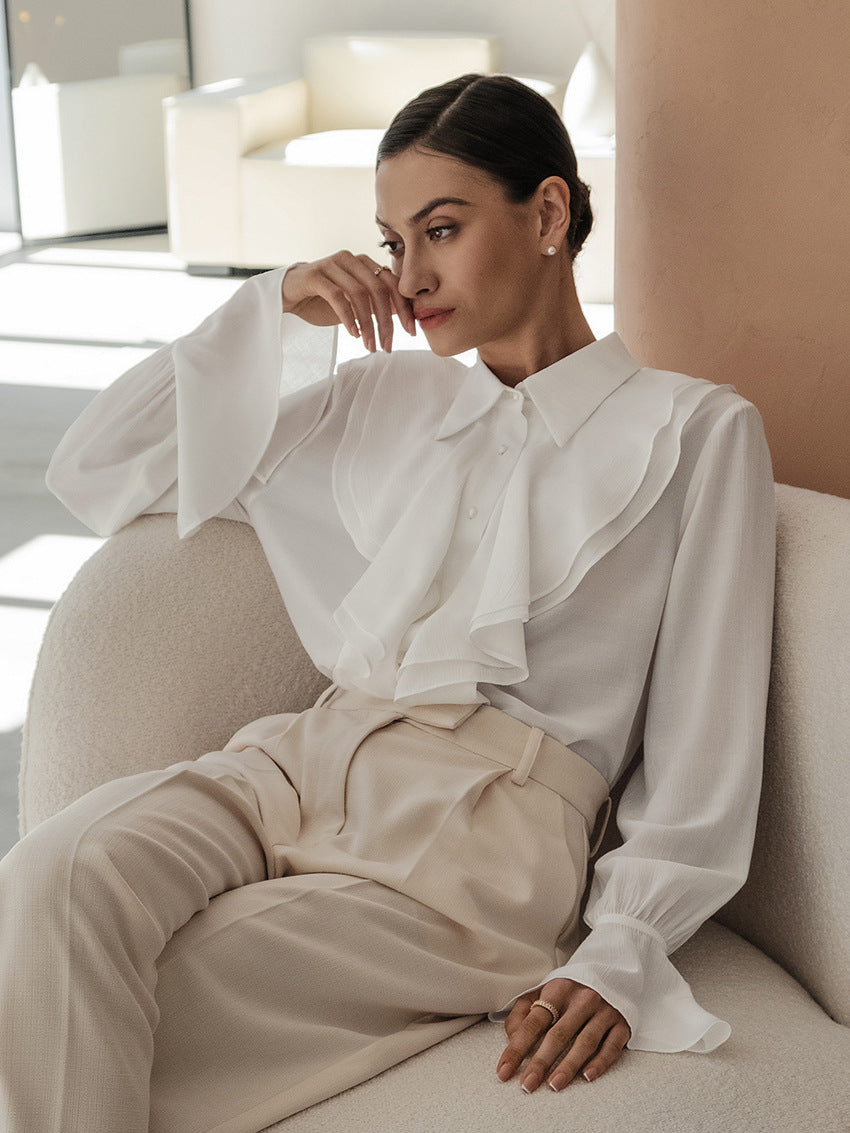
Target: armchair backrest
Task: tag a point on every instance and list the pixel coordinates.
(795, 904)
(360, 81)
(160, 650)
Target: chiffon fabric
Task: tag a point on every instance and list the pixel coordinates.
(591, 552)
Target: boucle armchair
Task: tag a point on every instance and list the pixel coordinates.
(160, 650)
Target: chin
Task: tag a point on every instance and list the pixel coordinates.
(443, 349)
(447, 346)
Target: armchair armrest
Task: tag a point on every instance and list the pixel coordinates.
(207, 131)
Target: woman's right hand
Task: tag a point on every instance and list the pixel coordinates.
(349, 290)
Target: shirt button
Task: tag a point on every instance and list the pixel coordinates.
(516, 395)
(473, 511)
(502, 450)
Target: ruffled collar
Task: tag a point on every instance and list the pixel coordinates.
(557, 472)
(565, 394)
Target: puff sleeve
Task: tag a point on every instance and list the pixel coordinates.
(185, 429)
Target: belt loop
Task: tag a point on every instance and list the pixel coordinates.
(597, 842)
(526, 762)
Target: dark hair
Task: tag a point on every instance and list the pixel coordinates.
(500, 125)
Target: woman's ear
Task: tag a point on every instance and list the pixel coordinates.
(553, 198)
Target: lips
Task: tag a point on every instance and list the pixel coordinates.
(431, 317)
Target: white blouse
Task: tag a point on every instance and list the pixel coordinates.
(591, 552)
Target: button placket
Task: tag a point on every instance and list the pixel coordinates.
(490, 476)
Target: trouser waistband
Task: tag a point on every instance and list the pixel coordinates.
(488, 731)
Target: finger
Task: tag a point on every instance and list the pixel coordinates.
(382, 306)
(342, 308)
(402, 305)
(523, 1037)
(398, 302)
(557, 1045)
(562, 1059)
(347, 289)
(334, 294)
(517, 1013)
(383, 292)
(611, 1049)
(359, 295)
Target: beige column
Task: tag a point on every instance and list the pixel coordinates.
(733, 211)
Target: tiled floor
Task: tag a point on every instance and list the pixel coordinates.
(72, 318)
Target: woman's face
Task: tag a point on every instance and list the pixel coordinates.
(466, 257)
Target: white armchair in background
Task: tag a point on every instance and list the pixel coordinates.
(263, 172)
(90, 154)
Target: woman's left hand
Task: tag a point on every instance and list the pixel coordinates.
(588, 1037)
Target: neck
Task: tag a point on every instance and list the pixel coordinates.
(557, 327)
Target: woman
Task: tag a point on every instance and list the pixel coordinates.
(514, 575)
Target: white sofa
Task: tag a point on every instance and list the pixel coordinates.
(90, 154)
(161, 649)
(264, 172)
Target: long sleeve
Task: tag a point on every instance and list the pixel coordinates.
(186, 429)
(688, 813)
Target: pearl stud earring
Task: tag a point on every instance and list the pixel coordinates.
(551, 250)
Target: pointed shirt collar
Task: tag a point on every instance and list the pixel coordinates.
(565, 394)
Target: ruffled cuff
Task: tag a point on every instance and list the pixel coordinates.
(187, 428)
(626, 961)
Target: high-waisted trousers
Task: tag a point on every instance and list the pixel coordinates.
(217, 945)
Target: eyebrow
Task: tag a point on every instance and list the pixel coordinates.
(423, 212)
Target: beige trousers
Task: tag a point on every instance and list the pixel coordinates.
(218, 945)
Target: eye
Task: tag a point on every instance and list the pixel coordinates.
(394, 247)
(439, 232)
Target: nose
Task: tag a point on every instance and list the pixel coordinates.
(415, 275)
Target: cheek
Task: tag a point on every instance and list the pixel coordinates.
(501, 282)
(489, 272)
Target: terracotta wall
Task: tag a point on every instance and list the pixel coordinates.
(733, 211)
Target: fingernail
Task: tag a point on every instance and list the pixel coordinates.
(557, 1083)
(589, 1075)
(530, 1083)
(503, 1072)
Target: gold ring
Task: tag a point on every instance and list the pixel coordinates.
(377, 271)
(553, 1011)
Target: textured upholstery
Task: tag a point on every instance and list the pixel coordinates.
(160, 650)
(796, 902)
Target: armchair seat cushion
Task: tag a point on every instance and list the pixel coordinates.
(328, 148)
(784, 1068)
